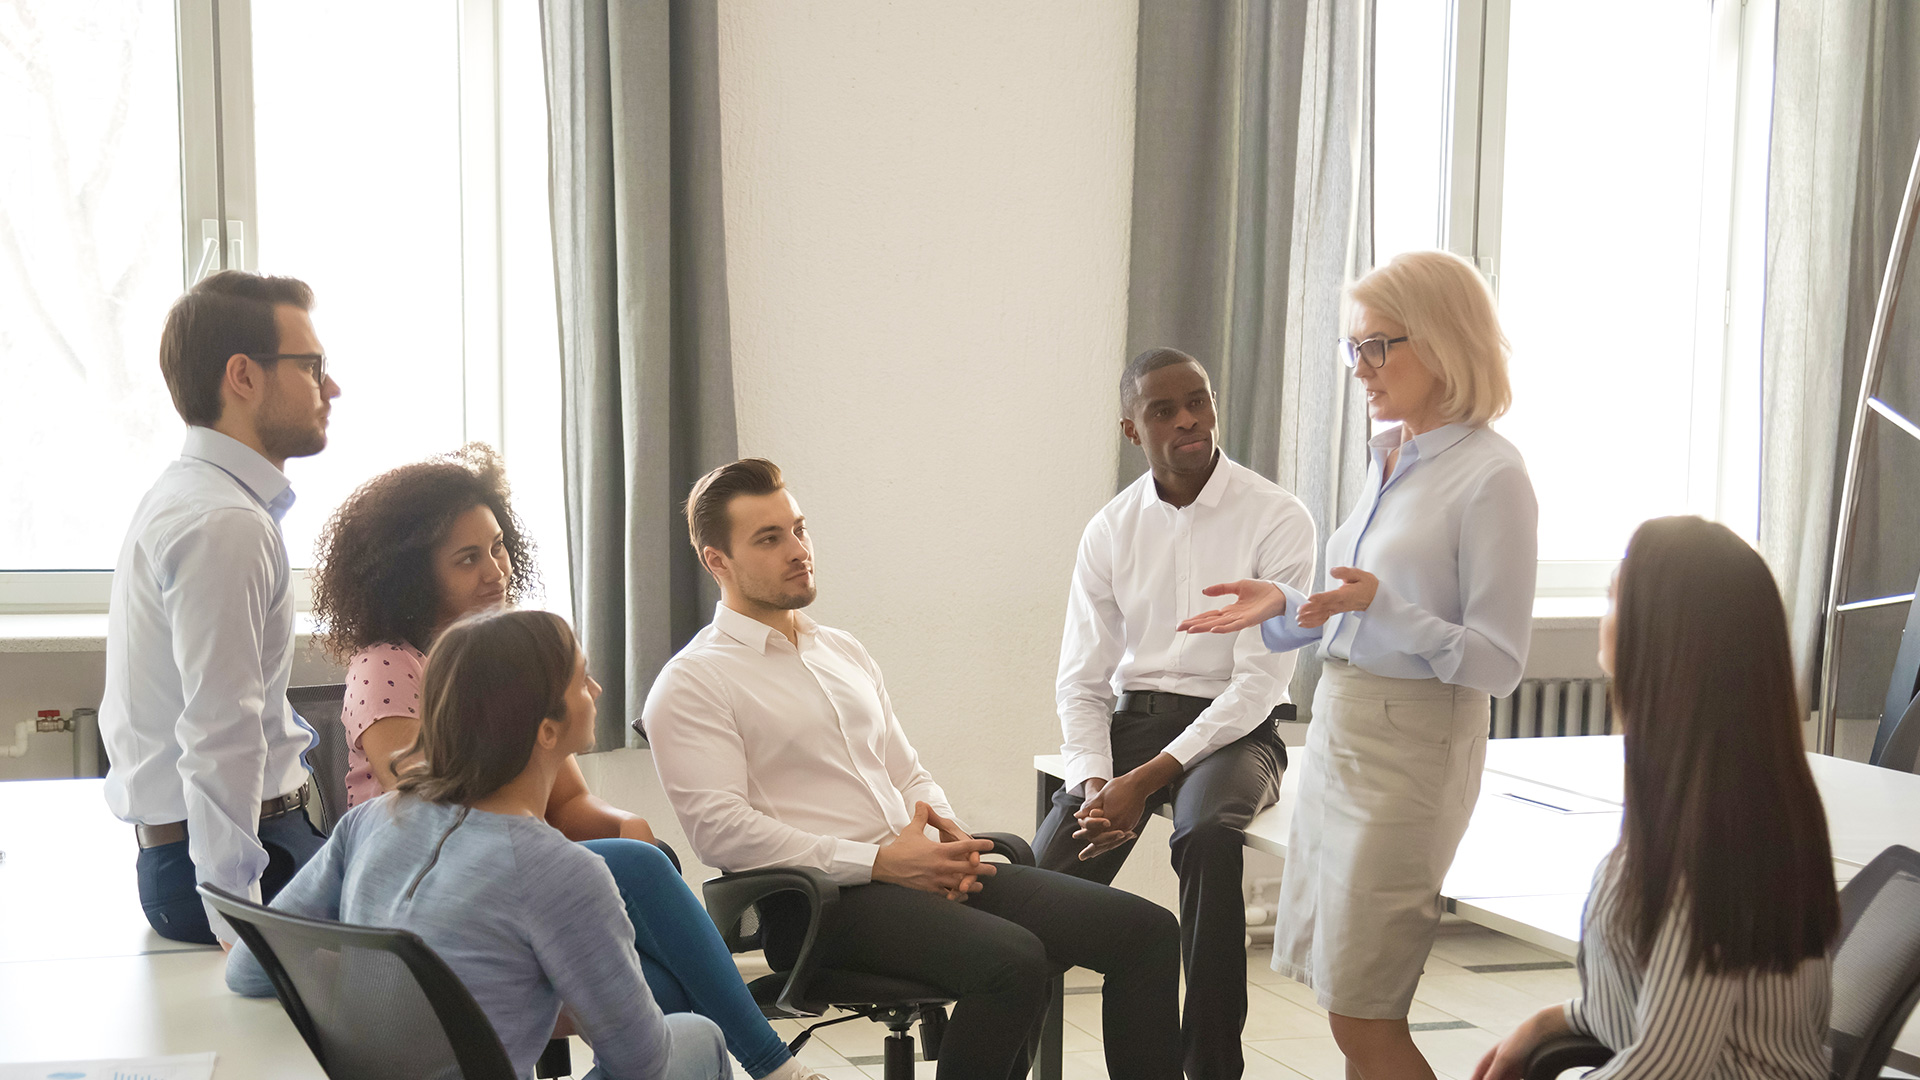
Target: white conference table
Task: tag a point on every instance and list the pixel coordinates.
(82, 976)
(1549, 811)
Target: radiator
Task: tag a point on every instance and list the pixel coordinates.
(1553, 707)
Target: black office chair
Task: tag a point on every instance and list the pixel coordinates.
(1876, 976)
(374, 1004)
(806, 989)
(320, 706)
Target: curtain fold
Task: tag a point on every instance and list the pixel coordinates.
(1846, 115)
(1251, 212)
(633, 105)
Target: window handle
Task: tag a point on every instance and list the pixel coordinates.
(209, 249)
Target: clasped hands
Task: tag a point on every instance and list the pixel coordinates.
(1113, 809)
(951, 867)
(1255, 601)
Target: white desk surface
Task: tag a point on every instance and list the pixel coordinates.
(83, 976)
(1549, 811)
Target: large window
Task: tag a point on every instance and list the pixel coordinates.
(400, 173)
(1602, 166)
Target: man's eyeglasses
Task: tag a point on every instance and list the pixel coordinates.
(315, 363)
(1371, 352)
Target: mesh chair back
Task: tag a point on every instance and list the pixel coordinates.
(372, 1004)
(320, 707)
(1876, 970)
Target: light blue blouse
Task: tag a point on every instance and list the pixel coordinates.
(1453, 537)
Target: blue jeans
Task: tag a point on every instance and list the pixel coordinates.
(686, 964)
(167, 880)
(699, 1053)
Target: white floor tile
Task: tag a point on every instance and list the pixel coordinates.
(1470, 945)
(1270, 1016)
(1478, 1000)
(1558, 984)
(1317, 1058)
(1454, 1053)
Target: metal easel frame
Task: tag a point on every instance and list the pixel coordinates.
(1869, 402)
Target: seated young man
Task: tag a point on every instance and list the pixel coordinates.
(777, 744)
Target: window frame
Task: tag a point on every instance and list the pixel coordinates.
(1723, 458)
(214, 49)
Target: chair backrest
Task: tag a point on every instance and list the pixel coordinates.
(1876, 969)
(320, 706)
(372, 1004)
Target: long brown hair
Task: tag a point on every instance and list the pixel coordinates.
(491, 678)
(1721, 808)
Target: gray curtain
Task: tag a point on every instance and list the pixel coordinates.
(1251, 212)
(640, 258)
(1846, 115)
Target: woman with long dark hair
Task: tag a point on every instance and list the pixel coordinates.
(462, 855)
(406, 555)
(1704, 949)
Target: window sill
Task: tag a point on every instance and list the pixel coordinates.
(83, 633)
(54, 632)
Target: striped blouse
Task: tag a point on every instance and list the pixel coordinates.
(1662, 1021)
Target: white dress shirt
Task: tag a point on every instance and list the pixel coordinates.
(777, 755)
(199, 651)
(1452, 535)
(1142, 564)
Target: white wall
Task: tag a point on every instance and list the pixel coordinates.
(927, 228)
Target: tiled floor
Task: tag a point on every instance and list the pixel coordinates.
(1478, 984)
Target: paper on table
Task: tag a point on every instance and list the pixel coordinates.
(173, 1067)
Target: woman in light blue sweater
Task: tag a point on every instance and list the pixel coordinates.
(461, 855)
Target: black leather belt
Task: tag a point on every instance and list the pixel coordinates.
(172, 832)
(1153, 702)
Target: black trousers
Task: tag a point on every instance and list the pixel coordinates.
(996, 954)
(1212, 804)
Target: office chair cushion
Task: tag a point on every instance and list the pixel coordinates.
(849, 989)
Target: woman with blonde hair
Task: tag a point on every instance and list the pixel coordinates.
(1428, 616)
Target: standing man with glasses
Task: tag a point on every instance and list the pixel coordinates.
(206, 752)
(1152, 716)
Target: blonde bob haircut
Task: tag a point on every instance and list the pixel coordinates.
(1449, 318)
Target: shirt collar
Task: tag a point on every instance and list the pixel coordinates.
(1430, 444)
(1210, 495)
(1217, 483)
(268, 485)
(750, 631)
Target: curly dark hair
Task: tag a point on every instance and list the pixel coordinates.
(373, 580)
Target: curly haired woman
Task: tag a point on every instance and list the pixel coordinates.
(407, 555)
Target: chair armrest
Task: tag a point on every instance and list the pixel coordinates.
(1563, 1052)
(672, 855)
(1014, 849)
(730, 895)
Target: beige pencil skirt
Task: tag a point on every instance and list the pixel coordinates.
(1389, 785)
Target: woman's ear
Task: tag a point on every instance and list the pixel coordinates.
(549, 735)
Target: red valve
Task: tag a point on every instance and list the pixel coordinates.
(49, 714)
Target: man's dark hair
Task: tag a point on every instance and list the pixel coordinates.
(1141, 366)
(226, 313)
(709, 524)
